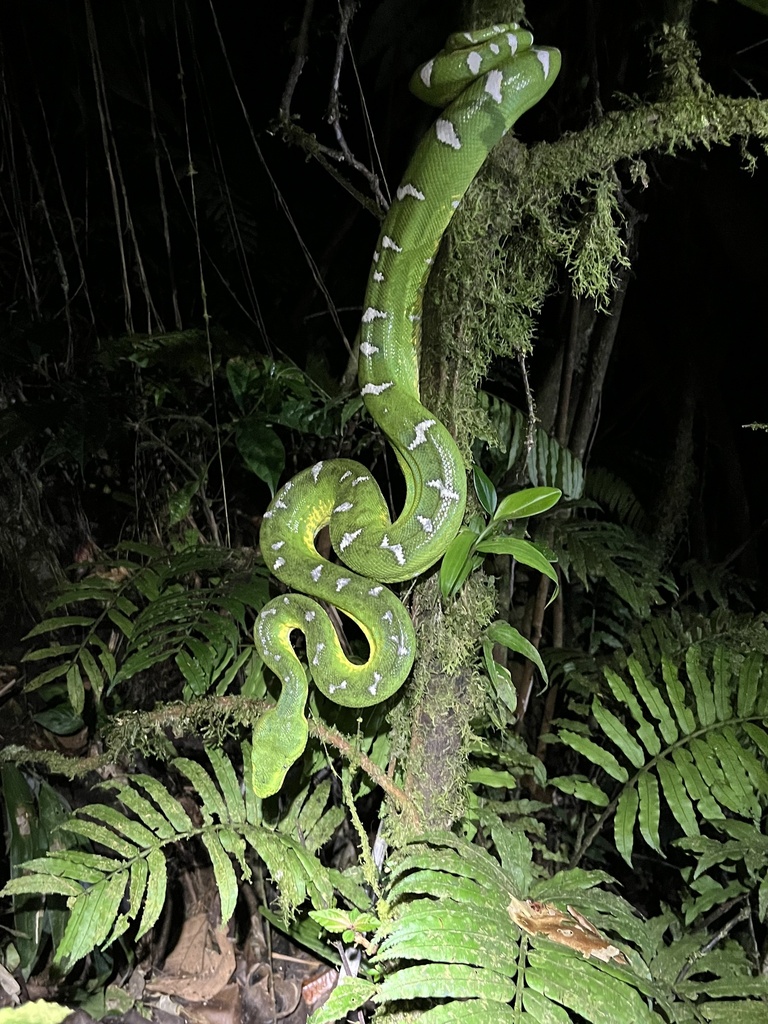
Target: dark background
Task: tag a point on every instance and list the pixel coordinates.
(692, 328)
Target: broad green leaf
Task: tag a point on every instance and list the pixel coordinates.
(645, 730)
(457, 563)
(335, 920)
(211, 801)
(501, 680)
(677, 696)
(695, 785)
(169, 806)
(749, 680)
(521, 550)
(261, 449)
(530, 502)
(143, 809)
(651, 695)
(597, 995)
(722, 667)
(701, 686)
(54, 651)
(617, 733)
(460, 935)
(542, 1010)
(677, 797)
(624, 822)
(138, 886)
(580, 787)
(350, 994)
(122, 622)
(227, 779)
(485, 491)
(94, 913)
(59, 622)
(649, 813)
(597, 755)
(41, 885)
(132, 830)
(495, 778)
(226, 879)
(454, 981)
(95, 677)
(55, 672)
(155, 895)
(502, 633)
(102, 835)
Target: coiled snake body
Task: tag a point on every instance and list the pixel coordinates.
(489, 78)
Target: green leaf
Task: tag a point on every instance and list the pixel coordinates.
(132, 830)
(580, 787)
(454, 981)
(484, 489)
(41, 885)
(677, 798)
(492, 777)
(651, 695)
(350, 994)
(59, 622)
(521, 550)
(261, 449)
(155, 896)
(93, 916)
(701, 686)
(749, 680)
(211, 801)
(617, 732)
(143, 809)
(677, 697)
(602, 758)
(648, 817)
(226, 879)
(502, 633)
(624, 822)
(695, 785)
(227, 779)
(170, 807)
(530, 502)
(457, 563)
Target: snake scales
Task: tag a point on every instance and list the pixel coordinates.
(488, 79)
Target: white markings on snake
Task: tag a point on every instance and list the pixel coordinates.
(493, 85)
(376, 389)
(396, 549)
(410, 190)
(348, 538)
(315, 574)
(446, 133)
(420, 431)
(372, 314)
(474, 61)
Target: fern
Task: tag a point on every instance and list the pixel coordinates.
(126, 886)
(695, 745)
(593, 551)
(191, 607)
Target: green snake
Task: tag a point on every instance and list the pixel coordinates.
(489, 78)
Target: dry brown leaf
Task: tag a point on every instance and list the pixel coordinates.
(572, 929)
(200, 965)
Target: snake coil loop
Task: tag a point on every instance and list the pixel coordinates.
(488, 78)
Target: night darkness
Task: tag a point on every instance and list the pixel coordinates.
(693, 323)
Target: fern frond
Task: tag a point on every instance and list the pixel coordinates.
(107, 891)
(686, 743)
